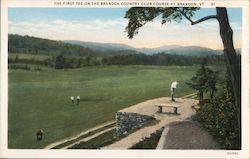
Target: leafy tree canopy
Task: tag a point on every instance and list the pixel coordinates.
(139, 16)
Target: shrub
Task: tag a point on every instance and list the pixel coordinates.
(220, 118)
(37, 68)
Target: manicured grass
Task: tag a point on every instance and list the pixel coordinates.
(41, 100)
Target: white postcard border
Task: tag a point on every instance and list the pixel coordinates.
(22, 153)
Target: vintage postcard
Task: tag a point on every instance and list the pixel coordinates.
(124, 79)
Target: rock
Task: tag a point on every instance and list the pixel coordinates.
(130, 121)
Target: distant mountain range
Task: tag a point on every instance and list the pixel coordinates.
(101, 46)
(29, 44)
(167, 49)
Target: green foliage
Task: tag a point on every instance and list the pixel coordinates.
(59, 55)
(25, 67)
(22, 67)
(220, 118)
(34, 59)
(139, 16)
(33, 45)
(204, 80)
(150, 142)
(160, 59)
(59, 62)
(212, 77)
(37, 68)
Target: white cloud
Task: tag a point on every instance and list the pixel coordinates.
(236, 26)
(63, 30)
(153, 34)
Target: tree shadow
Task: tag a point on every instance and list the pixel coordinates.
(176, 101)
(169, 113)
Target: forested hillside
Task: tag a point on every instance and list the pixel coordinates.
(33, 45)
(28, 50)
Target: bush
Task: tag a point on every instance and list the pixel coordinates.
(220, 118)
(37, 68)
(150, 142)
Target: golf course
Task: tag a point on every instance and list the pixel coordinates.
(41, 99)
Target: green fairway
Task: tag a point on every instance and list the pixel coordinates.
(41, 100)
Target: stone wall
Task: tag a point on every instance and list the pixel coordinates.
(126, 121)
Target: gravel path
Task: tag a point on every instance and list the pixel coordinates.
(187, 135)
(148, 108)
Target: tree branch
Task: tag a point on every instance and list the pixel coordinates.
(204, 19)
(197, 21)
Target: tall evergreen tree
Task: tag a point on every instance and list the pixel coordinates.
(212, 77)
(199, 81)
(59, 62)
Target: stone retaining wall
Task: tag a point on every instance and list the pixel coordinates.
(126, 122)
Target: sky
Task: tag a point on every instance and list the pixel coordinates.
(107, 25)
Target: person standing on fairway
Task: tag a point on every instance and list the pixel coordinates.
(39, 134)
(78, 100)
(72, 99)
(173, 89)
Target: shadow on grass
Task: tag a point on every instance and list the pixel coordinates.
(93, 99)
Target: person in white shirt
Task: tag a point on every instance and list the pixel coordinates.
(173, 89)
(78, 100)
(72, 99)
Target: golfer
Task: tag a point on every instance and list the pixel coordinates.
(78, 100)
(39, 134)
(173, 89)
(72, 99)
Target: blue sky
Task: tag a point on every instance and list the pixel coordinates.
(107, 25)
(68, 14)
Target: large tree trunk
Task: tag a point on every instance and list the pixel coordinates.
(232, 61)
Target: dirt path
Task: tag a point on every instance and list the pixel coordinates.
(148, 108)
(186, 135)
(79, 135)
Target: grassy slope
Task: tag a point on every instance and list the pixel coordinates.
(41, 99)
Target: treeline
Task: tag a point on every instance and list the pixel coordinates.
(35, 61)
(65, 62)
(58, 62)
(61, 55)
(33, 45)
(62, 62)
(160, 59)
